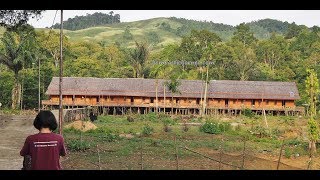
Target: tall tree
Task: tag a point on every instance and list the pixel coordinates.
(138, 59)
(312, 89)
(173, 85)
(197, 43)
(244, 35)
(244, 61)
(50, 43)
(12, 19)
(17, 52)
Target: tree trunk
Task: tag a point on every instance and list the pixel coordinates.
(157, 96)
(312, 150)
(16, 93)
(312, 147)
(164, 99)
(171, 102)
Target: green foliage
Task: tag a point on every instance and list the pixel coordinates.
(103, 52)
(147, 130)
(138, 58)
(313, 129)
(224, 127)
(78, 145)
(210, 127)
(89, 20)
(248, 112)
(243, 34)
(71, 130)
(127, 34)
(151, 116)
(259, 131)
(6, 85)
(153, 37)
(312, 90)
(287, 152)
(109, 137)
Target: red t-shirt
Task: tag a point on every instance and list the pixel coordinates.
(45, 150)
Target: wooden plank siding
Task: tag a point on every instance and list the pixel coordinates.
(176, 103)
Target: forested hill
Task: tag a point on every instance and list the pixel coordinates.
(90, 20)
(163, 31)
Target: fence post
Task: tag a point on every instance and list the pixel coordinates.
(243, 153)
(220, 154)
(141, 157)
(310, 156)
(177, 158)
(280, 154)
(99, 160)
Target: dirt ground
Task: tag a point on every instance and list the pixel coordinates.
(13, 131)
(81, 161)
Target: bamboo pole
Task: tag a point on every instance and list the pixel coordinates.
(243, 153)
(99, 160)
(220, 154)
(60, 76)
(280, 154)
(205, 93)
(176, 149)
(141, 155)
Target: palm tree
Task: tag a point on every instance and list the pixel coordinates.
(173, 85)
(138, 58)
(16, 52)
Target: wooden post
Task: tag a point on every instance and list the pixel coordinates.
(60, 76)
(280, 154)
(220, 154)
(156, 96)
(99, 160)
(164, 99)
(141, 155)
(177, 158)
(243, 153)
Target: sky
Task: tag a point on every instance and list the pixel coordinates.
(231, 17)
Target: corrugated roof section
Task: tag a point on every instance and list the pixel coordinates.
(188, 88)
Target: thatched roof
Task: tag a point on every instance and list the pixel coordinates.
(188, 88)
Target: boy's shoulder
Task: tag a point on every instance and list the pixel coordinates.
(54, 135)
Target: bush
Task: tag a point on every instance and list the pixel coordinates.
(293, 142)
(166, 128)
(109, 137)
(259, 130)
(99, 130)
(225, 126)
(185, 127)
(152, 117)
(288, 120)
(130, 118)
(276, 132)
(78, 145)
(210, 127)
(147, 130)
(168, 121)
(287, 152)
(248, 112)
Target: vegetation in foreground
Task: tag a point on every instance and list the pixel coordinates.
(147, 132)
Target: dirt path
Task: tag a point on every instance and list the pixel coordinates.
(13, 131)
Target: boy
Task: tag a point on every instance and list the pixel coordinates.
(46, 147)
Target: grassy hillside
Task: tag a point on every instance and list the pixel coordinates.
(114, 33)
(162, 31)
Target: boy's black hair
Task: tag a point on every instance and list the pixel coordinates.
(45, 119)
